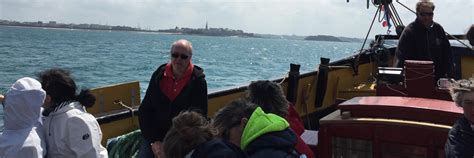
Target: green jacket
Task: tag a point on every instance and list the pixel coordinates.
(261, 123)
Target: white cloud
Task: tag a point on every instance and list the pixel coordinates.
(301, 17)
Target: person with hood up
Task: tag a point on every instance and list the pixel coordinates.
(23, 135)
(70, 130)
(257, 133)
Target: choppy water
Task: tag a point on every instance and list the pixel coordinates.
(99, 58)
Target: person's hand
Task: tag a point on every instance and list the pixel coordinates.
(156, 148)
(1, 98)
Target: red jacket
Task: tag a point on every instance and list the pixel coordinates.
(296, 124)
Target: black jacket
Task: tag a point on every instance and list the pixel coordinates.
(420, 43)
(460, 143)
(218, 148)
(156, 110)
(279, 144)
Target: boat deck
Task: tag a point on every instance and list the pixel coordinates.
(387, 126)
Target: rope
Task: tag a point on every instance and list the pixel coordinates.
(393, 89)
(284, 78)
(406, 7)
(127, 107)
(380, 14)
(397, 16)
(457, 39)
(367, 36)
(423, 75)
(304, 101)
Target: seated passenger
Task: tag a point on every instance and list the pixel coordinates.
(23, 135)
(257, 133)
(192, 136)
(269, 96)
(460, 141)
(70, 130)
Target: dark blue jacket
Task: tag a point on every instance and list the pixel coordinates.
(279, 144)
(460, 143)
(420, 43)
(218, 148)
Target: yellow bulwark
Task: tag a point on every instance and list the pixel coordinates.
(106, 104)
(128, 93)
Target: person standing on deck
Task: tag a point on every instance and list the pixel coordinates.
(460, 141)
(425, 39)
(23, 135)
(176, 86)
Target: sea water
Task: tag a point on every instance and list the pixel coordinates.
(100, 58)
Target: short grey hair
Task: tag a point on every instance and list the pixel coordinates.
(185, 43)
(424, 3)
(459, 88)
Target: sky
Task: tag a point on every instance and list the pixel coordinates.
(281, 17)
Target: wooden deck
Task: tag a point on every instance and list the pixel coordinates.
(380, 126)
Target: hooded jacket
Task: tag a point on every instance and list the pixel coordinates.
(23, 135)
(156, 110)
(268, 135)
(460, 141)
(420, 43)
(72, 132)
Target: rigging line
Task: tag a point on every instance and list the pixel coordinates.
(393, 16)
(304, 101)
(380, 14)
(406, 7)
(367, 36)
(396, 14)
(457, 39)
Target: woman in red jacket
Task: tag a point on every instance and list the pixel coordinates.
(270, 97)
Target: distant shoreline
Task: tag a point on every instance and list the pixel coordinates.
(60, 28)
(217, 32)
(74, 28)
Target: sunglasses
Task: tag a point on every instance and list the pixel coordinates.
(426, 13)
(182, 56)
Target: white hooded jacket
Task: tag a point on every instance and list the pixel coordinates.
(72, 132)
(23, 135)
